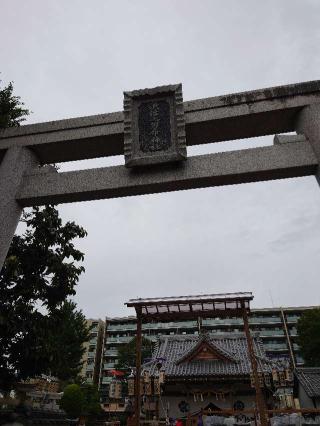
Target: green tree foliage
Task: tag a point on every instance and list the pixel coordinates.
(127, 353)
(12, 111)
(309, 336)
(91, 397)
(81, 401)
(63, 342)
(40, 272)
(73, 401)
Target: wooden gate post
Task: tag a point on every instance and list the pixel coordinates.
(137, 407)
(259, 397)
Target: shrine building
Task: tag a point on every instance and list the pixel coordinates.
(210, 373)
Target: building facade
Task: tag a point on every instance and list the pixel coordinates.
(93, 350)
(277, 328)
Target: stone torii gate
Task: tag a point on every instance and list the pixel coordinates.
(153, 132)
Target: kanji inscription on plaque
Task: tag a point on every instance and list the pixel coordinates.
(154, 127)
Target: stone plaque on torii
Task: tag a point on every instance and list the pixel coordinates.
(152, 133)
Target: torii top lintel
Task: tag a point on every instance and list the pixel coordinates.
(234, 116)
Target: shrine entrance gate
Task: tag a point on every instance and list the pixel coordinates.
(153, 133)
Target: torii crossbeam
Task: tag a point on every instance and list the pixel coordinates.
(242, 115)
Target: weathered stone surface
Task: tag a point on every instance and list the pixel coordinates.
(226, 168)
(15, 163)
(154, 126)
(279, 139)
(308, 124)
(240, 115)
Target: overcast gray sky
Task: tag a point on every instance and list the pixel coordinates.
(74, 58)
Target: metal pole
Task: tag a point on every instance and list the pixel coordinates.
(138, 368)
(259, 397)
(16, 162)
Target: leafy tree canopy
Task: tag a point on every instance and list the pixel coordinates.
(66, 331)
(12, 111)
(80, 401)
(40, 272)
(127, 353)
(73, 401)
(309, 336)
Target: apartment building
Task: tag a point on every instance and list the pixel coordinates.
(277, 328)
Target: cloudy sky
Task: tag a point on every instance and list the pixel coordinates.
(74, 58)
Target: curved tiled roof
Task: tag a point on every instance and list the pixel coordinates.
(309, 378)
(174, 351)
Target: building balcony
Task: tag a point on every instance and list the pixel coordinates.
(221, 322)
(270, 347)
(110, 352)
(106, 380)
(121, 327)
(90, 367)
(273, 333)
(108, 365)
(122, 339)
(265, 320)
(292, 318)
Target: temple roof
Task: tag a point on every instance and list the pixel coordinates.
(230, 357)
(211, 348)
(309, 378)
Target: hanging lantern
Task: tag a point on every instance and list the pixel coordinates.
(282, 378)
(289, 375)
(131, 386)
(161, 377)
(251, 380)
(282, 399)
(146, 376)
(118, 390)
(296, 403)
(148, 388)
(267, 380)
(156, 386)
(275, 376)
(112, 389)
(261, 381)
(289, 401)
